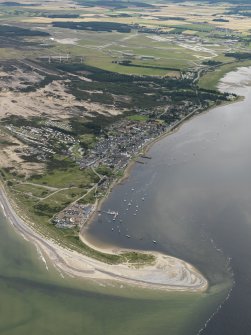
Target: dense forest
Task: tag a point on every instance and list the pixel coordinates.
(7, 31)
(95, 26)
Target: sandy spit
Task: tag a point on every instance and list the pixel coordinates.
(168, 273)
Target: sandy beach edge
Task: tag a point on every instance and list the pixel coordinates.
(63, 258)
(167, 273)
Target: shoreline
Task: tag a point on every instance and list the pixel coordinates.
(129, 167)
(144, 150)
(167, 273)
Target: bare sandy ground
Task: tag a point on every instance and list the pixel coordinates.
(167, 273)
(10, 156)
(54, 99)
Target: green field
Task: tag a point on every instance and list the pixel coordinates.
(157, 50)
(61, 178)
(138, 118)
(32, 190)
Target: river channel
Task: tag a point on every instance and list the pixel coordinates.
(190, 200)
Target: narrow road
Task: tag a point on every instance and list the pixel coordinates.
(41, 185)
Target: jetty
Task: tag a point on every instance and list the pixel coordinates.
(109, 212)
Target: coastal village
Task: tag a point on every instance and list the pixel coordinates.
(107, 156)
(79, 154)
(124, 167)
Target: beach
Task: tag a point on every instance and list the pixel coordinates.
(167, 273)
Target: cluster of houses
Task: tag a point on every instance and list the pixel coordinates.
(116, 145)
(73, 216)
(41, 141)
(122, 143)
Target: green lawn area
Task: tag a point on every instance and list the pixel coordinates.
(33, 190)
(138, 117)
(87, 140)
(106, 49)
(44, 210)
(62, 198)
(70, 177)
(75, 181)
(75, 150)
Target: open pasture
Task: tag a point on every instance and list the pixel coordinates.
(173, 37)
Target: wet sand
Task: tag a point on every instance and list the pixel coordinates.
(167, 273)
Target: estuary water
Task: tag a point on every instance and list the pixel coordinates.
(192, 199)
(34, 300)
